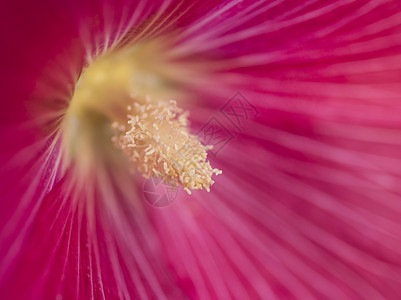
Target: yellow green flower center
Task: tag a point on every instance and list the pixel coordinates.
(122, 105)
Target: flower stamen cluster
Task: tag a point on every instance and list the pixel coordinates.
(156, 139)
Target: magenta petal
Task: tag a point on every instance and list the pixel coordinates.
(308, 204)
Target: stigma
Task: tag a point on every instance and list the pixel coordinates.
(156, 141)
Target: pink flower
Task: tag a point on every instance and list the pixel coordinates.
(300, 101)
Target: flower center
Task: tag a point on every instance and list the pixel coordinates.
(120, 105)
